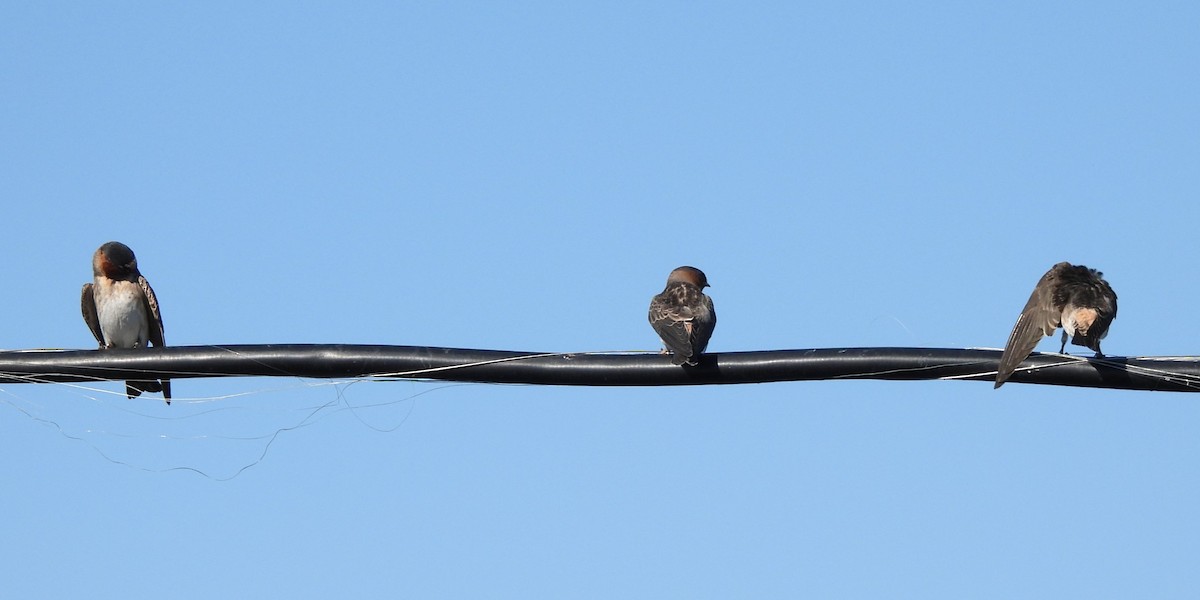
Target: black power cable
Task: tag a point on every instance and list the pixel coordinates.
(594, 369)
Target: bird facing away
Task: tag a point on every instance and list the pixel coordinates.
(1073, 297)
(683, 315)
(120, 308)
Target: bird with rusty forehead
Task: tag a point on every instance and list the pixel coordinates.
(1073, 297)
(683, 315)
(120, 308)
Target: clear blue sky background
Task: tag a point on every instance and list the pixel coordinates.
(524, 176)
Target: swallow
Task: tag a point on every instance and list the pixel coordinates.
(120, 308)
(683, 315)
(1073, 297)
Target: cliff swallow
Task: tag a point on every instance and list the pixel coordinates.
(1071, 296)
(120, 308)
(683, 315)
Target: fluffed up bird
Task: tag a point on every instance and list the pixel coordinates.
(1071, 296)
(683, 316)
(120, 308)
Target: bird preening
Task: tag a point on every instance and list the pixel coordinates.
(683, 315)
(122, 311)
(120, 308)
(1073, 297)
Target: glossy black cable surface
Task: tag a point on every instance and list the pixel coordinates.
(632, 369)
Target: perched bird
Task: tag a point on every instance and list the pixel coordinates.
(683, 315)
(120, 308)
(1071, 296)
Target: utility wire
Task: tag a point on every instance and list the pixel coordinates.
(325, 361)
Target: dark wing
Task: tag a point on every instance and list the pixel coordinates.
(1039, 318)
(157, 337)
(1106, 311)
(702, 328)
(87, 303)
(1100, 296)
(673, 323)
(1097, 295)
(156, 324)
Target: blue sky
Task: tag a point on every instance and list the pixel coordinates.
(523, 177)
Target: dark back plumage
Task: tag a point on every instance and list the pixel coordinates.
(683, 315)
(1066, 291)
(1081, 287)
